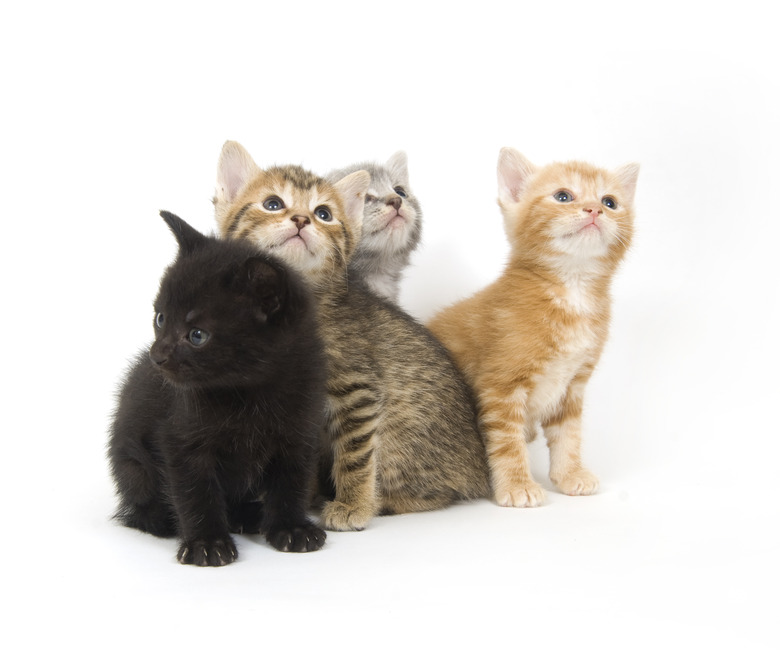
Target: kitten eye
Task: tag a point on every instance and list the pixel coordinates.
(198, 337)
(400, 191)
(609, 202)
(273, 203)
(323, 213)
(370, 199)
(159, 320)
(562, 196)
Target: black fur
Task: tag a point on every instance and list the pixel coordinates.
(224, 436)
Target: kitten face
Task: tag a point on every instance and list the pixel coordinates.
(567, 214)
(216, 313)
(309, 223)
(391, 218)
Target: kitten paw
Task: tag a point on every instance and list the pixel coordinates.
(208, 552)
(578, 482)
(341, 517)
(306, 538)
(527, 495)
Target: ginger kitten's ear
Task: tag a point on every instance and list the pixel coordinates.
(234, 170)
(397, 166)
(626, 176)
(352, 189)
(514, 172)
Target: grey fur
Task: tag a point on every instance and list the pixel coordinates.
(383, 253)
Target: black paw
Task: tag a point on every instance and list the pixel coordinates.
(305, 538)
(208, 552)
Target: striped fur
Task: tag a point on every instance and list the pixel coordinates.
(401, 420)
(529, 342)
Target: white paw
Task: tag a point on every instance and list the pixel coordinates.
(340, 517)
(527, 495)
(578, 482)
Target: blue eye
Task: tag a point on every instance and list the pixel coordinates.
(610, 202)
(198, 337)
(562, 196)
(159, 320)
(400, 191)
(273, 203)
(323, 213)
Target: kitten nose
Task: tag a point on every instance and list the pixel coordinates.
(300, 221)
(395, 201)
(158, 355)
(593, 213)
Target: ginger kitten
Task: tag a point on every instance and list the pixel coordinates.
(529, 342)
(401, 421)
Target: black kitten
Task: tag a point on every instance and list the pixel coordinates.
(218, 427)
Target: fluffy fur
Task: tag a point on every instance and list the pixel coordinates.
(392, 225)
(218, 425)
(529, 342)
(401, 420)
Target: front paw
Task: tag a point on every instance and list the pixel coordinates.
(341, 517)
(577, 482)
(529, 494)
(305, 538)
(208, 552)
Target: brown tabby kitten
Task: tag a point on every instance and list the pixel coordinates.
(401, 419)
(528, 343)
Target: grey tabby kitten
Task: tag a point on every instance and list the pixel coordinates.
(392, 224)
(401, 420)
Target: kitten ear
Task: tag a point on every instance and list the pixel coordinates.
(188, 238)
(626, 176)
(352, 189)
(262, 283)
(397, 166)
(234, 170)
(514, 172)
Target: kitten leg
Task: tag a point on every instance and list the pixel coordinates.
(503, 424)
(285, 523)
(203, 520)
(564, 438)
(352, 427)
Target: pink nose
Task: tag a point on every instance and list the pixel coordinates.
(593, 213)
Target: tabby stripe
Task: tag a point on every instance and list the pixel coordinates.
(359, 464)
(347, 389)
(235, 220)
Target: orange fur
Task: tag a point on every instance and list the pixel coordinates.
(529, 342)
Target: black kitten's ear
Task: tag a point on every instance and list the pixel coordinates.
(188, 238)
(263, 284)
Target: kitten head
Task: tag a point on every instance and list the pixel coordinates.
(570, 215)
(308, 222)
(392, 218)
(223, 312)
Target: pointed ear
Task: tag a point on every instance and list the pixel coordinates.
(626, 176)
(188, 238)
(514, 172)
(352, 189)
(262, 284)
(234, 170)
(397, 167)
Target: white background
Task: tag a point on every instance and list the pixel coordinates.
(110, 114)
